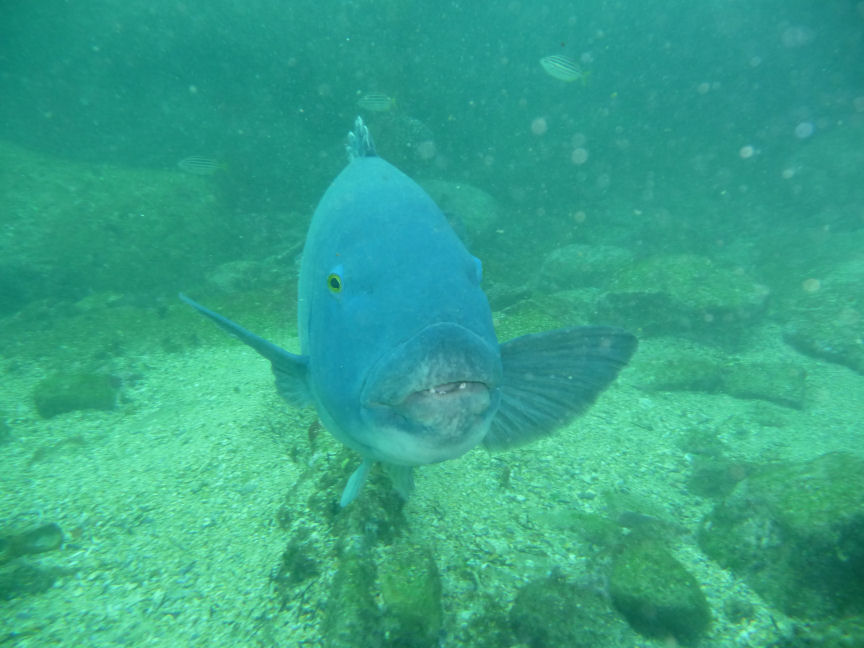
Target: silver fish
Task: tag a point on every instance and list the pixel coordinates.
(376, 102)
(200, 165)
(561, 67)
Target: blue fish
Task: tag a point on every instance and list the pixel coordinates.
(398, 352)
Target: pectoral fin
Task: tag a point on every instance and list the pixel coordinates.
(290, 370)
(551, 377)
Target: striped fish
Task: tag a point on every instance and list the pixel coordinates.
(561, 67)
(200, 165)
(376, 102)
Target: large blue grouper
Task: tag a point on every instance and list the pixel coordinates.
(398, 352)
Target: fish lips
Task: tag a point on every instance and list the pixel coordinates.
(439, 389)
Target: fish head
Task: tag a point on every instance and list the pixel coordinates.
(403, 359)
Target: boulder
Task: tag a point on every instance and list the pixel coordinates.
(657, 595)
(410, 586)
(552, 612)
(826, 318)
(701, 369)
(71, 229)
(795, 533)
(685, 294)
(472, 212)
(576, 266)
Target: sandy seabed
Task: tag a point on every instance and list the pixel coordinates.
(170, 503)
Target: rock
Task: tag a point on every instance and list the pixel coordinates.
(489, 627)
(47, 537)
(576, 266)
(410, 588)
(472, 212)
(552, 612)
(548, 311)
(702, 440)
(657, 595)
(716, 476)
(67, 446)
(75, 391)
(351, 612)
(502, 295)
(783, 383)
(684, 294)
(698, 371)
(25, 580)
(827, 322)
(795, 533)
(713, 474)
(103, 228)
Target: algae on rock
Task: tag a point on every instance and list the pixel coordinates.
(685, 294)
(656, 594)
(795, 533)
(70, 392)
(552, 612)
(350, 612)
(410, 587)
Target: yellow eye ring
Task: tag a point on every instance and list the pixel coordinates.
(334, 283)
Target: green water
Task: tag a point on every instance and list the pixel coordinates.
(701, 185)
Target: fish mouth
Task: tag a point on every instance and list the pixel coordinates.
(445, 406)
(445, 389)
(470, 393)
(434, 396)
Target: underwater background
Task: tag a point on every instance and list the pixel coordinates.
(692, 172)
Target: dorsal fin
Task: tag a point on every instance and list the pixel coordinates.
(360, 141)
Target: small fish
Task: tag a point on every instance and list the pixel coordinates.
(398, 353)
(562, 67)
(200, 165)
(376, 102)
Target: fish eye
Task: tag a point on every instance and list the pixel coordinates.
(334, 283)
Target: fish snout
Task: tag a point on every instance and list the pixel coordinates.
(449, 408)
(438, 391)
